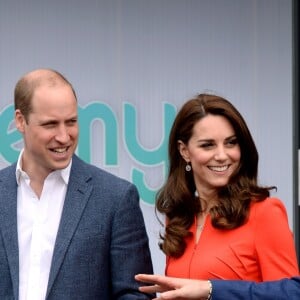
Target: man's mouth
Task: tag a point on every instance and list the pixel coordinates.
(60, 150)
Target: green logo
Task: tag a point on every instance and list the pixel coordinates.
(112, 128)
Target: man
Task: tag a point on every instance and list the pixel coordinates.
(178, 288)
(68, 230)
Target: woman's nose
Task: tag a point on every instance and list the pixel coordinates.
(220, 153)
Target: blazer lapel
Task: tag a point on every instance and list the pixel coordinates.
(8, 225)
(76, 199)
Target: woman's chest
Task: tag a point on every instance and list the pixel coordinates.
(218, 254)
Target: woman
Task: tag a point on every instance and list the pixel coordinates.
(220, 223)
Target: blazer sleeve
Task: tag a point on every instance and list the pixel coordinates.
(129, 254)
(274, 241)
(244, 290)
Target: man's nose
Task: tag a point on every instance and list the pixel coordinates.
(62, 134)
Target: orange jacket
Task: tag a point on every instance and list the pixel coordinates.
(261, 249)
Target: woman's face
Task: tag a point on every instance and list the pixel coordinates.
(213, 152)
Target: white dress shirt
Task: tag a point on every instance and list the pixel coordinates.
(38, 221)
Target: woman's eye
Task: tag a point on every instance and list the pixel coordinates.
(232, 142)
(206, 145)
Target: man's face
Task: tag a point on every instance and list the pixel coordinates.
(51, 134)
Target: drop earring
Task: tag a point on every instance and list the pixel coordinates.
(188, 167)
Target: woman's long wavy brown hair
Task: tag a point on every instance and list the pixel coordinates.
(177, 201)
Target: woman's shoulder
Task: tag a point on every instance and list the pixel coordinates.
(271, 206)
(268, 202)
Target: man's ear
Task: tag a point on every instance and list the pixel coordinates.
(19, 120)
(183, 150)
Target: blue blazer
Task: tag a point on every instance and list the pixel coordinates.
(285, 289)
(101, 241)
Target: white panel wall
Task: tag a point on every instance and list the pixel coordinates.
(146, 53)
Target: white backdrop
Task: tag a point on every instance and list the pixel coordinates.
(133, 62)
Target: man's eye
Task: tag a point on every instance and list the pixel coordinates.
(49, 125)
(72, 122)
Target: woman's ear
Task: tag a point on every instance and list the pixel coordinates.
(183, 150)
(19, 120)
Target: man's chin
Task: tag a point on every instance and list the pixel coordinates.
(62, 164)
